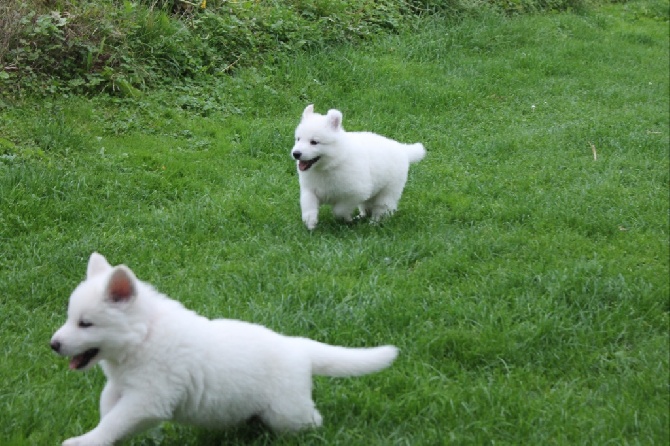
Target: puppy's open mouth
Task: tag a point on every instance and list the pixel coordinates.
(80, 361)
(304, 165)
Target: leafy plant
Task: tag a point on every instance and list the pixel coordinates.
(123, 47)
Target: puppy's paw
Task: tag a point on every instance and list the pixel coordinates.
(310, 220)
(84, 440)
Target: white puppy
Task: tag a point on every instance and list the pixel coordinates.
(164, 362)
(348, 170)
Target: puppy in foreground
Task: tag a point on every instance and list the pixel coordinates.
(348, 170)
(164, 362)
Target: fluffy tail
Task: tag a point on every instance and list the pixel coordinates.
(331, 360)
(416, 152)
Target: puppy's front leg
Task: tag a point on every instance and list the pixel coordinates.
(309, 205)
(108, 398)
(127, 416)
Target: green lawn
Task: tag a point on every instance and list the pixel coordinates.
(524, 277)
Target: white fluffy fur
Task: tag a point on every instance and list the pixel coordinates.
(354, 169)
(164, 362)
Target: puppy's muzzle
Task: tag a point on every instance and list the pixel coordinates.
(55, 346)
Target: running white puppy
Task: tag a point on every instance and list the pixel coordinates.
(164, 362)
(348, 170)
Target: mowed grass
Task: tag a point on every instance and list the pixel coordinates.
(524, 277)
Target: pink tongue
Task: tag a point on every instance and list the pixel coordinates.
(75, 361)
(302, 165)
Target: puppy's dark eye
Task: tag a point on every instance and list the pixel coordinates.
(313, 142)
(84, 324)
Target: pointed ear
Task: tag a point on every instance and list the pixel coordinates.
(308, 111)
(334, 118)
(97, 264)
(122, 285)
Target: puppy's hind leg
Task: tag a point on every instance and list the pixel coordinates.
(291, 414)
(380, 211)
(343, 210)
(384, 204)
(363, 210)
(291, 408)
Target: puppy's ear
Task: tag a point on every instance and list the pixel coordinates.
(122, 285)
(308, 111)
(334, 118)
(97, 264)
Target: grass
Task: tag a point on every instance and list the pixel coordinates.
(524, 279)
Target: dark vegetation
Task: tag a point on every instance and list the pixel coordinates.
(124, 47)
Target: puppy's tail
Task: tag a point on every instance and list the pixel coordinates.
(415, 152)
(331, 360)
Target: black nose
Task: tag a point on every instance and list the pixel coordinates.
(55, 346)
(297, 154)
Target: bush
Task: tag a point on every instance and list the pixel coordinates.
(66, 49)
(507, 6)
(114, 45)
(122, 46)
